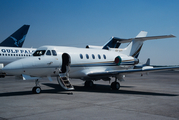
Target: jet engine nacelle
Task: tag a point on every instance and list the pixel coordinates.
(118, 60)
(94, 47)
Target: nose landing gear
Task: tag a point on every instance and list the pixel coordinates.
(36, 89)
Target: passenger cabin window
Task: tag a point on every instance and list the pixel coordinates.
(104, 56)
(39, 52)
(81, 56)
(48, 53)
(93, 56)
(87, 56)
(54, 53)
(99, 56)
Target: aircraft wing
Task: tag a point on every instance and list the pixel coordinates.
(120, 40)
(129, 71)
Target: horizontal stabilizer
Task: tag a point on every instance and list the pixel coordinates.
(120, 40)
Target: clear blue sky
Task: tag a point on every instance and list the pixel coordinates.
(81, 22)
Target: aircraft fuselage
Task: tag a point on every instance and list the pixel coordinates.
(81, 62)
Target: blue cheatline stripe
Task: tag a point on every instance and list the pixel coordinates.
(101, 64)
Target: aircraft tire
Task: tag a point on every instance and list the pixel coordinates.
(36, 90)
(2, 76)
(115, 85)
(89, 83)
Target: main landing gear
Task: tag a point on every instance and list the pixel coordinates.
(115, 85)
(89, 84)
(37, 88)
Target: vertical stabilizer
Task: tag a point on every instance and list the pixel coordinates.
(17, 38)
(142, 34)
(134, 47)
(148, 62)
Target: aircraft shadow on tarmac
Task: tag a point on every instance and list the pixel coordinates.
(97, 88)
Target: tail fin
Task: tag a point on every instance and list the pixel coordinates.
(148, 62)
(112, 43)
(17, 38)
(133, 49)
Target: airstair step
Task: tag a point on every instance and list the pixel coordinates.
(65, 83)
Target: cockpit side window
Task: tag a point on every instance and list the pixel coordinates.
(39, 52)
(54, 53)
(48, 52)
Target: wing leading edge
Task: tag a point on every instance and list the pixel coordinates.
(113, 73)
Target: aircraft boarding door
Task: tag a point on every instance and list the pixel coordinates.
(63, 78)
(66, 61)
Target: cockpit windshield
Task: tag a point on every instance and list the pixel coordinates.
(39, 52)
(54, 53)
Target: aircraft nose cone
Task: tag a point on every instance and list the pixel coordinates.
(13, 68)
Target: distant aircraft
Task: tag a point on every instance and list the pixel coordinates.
(10, 48)
(86, 64)
(112, 43)
(139, 66)
(17, 38)
(10, 54)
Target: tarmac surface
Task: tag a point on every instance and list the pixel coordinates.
(153, 96)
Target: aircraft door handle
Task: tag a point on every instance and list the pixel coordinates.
(49, 63)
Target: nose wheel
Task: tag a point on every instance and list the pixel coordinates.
(36, 89)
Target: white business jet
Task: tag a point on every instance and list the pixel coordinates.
(82, 63)
(10, 54)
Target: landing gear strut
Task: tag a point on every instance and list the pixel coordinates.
(37, 88)
(115, 85)
(89, 84)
